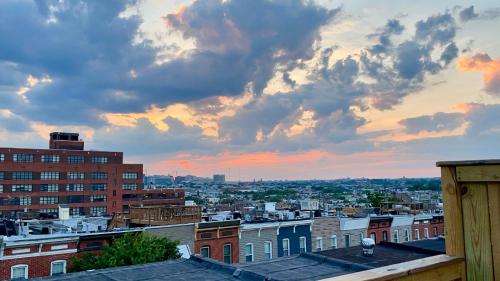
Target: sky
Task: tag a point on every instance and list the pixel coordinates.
(261, 89)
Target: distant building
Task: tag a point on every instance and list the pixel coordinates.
(401, 229)
(380, 228)
(218, 240)
(34, 182)
(219, 178)
(294, 237)
(258, 242)
(352, 231)
(325, 233)
(422, 227)
(309, 205)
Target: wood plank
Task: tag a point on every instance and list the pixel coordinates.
(494, 207)
(446, 273)
(443, 266)
(486, 173)
(479, 264)
(453, 222)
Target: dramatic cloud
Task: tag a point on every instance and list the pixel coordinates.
(486, 65)
(433, 123)
(89, 51)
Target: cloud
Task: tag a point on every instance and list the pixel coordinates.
(468, 14)
(489, 67)
(13, 123)
(90, 51)
(433, 123)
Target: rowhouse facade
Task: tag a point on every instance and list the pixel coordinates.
(92, 183)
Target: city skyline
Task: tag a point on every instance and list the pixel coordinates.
(269, 89)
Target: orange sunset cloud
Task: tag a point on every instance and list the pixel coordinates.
(486, 65)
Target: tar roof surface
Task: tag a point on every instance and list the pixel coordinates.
(435, 244)
(384, 254)
(303, 267)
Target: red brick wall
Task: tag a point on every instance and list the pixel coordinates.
(378, 229)
(37, 266)
(217, 244)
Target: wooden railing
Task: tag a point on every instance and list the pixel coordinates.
(436, 268)
(161, 215)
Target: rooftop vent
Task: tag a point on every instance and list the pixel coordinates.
(368, 244)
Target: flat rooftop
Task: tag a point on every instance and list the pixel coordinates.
(299, 268)
(385, 253)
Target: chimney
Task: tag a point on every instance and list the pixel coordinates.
(368, 244)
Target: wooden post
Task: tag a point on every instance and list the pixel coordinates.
(471, 199)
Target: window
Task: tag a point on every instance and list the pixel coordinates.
(1, 188)
(347, 238)
(129, 186)
(319, 244)
(76, 159)
(205, 252)
(97, 211)
(227, 253)
(74, 187)
(49, 187)
(407, 235)
(129, 176)
(48, 211)
(417, 234)
(99, 160)
(286, 247)
(47, 200)
(49, 175)
(98, 187)
(384, 235)
(50, 159)
(249, 252)
(2, 157)
(395, 236)
(25, 158)
(268, 250)
(99, 175)
(98, 198)
(334, 241)
(2, 175)
(435, 231)
(302, 242)
(76, 211)
(25, 200)
(22, 188)
(373, 236)
(22, 175)
(426, 233)
(57, 267)
(74, 199)
(76, 175)
(19, 272)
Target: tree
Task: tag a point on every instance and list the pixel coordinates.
(375, 198)
(128, 250)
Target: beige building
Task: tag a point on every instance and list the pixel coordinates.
(325, 233)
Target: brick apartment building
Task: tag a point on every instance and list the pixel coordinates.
(37, 181)
(380, 229)
(218, 240)
(36, 256)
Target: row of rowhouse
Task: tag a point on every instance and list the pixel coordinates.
(227, 241)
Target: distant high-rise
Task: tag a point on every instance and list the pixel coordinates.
(90, 182)
(219, 178)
